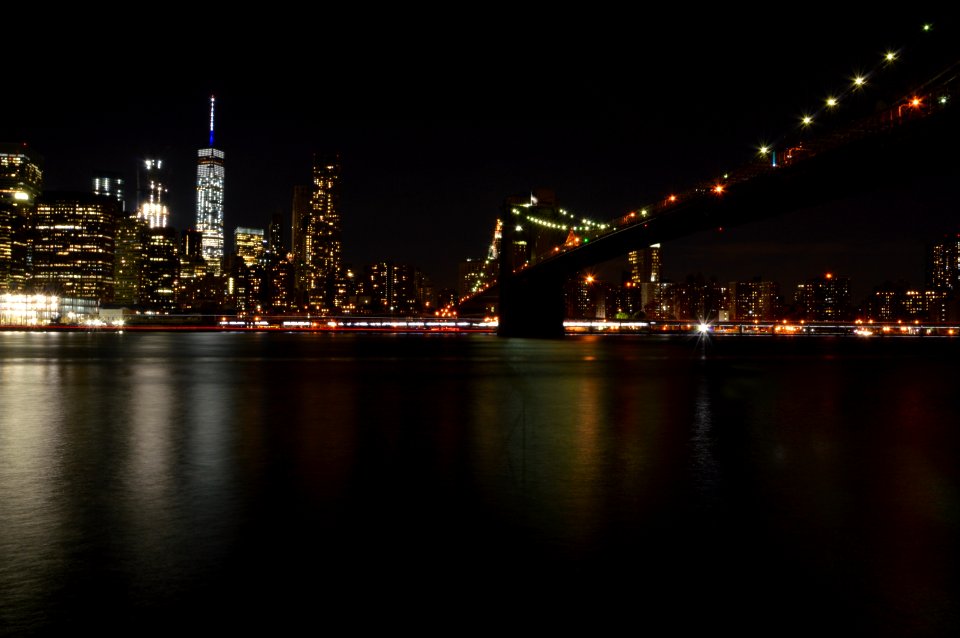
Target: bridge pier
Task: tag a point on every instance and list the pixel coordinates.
(531, 308)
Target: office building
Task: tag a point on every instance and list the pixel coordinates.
(275, 241)
(317, 232)
(74, 244)
(250, 244)
(944, 266)
(129, 257)
(754, 300)
(160, 270)
(825, 299)
(210, 186)
(645, 265)
(112, 185)
(152, 180)
(21, 180)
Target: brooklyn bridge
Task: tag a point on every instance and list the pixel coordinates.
(893, 124)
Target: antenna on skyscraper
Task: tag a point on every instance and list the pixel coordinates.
(211, 121)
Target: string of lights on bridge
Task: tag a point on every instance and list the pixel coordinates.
(582, 230)
(586, 229)
(767, 151)
(586, 225)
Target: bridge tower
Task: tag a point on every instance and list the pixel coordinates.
(533, 227)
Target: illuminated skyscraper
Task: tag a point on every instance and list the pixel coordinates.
(645, 265)
(275, 243)
(302, 242)
(152, 193)
(160, 269)
(825, 298)
(73, 249)
(20, 184)
(129, 258)
(754, 299)
(389, 288)
(210, 200)
(645, 274)
(944, 268)
(110, 185)
(249, 243)
(317, 235)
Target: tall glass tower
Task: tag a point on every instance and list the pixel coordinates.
(210, 200)
(323, 233)
(152, 181)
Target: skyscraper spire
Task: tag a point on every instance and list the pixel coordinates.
(210, 200)
(211, 121)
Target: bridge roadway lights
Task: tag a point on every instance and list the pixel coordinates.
(531, 307)
(531, 301)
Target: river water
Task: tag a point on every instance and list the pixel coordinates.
(454, 484)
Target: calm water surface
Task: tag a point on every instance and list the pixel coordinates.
(445, 484)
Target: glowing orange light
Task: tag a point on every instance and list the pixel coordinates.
(589, 279)
(718, 189)
(829, 275)
(915, 102)
(672, 198)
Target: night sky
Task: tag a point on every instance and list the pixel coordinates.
(436, 126)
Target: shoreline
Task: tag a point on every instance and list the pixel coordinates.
(571, 327)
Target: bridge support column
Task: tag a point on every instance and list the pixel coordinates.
(531, 307)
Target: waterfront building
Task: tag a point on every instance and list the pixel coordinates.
(74, 244)
(389, 288)
(129, 258)
(280, 284)
(321, 241)
(21, 180)
(754, 300)
(160, 270)
(825, 298)
(645, 265)
(944, 263)
(696, 299)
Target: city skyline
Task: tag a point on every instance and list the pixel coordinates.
(424, 183)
